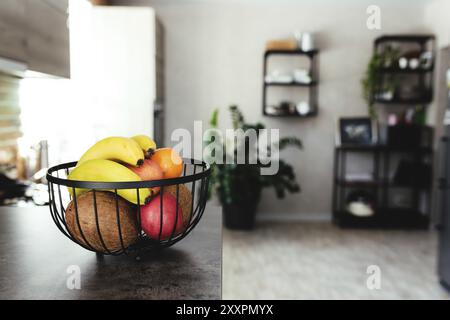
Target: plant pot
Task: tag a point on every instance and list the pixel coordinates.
(239, 216)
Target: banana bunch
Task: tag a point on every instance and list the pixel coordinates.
(120, 149)
(146, 143)
(109, 171)
(103, 162)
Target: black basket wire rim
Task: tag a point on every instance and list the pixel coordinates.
(57, 209)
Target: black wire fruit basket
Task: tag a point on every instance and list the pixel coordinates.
(100, 220)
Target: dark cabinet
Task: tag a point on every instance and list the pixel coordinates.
(443, 174)
(444, 219)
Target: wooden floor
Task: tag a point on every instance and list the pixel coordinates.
(321, 261)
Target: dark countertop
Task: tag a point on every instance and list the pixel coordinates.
(35, 257)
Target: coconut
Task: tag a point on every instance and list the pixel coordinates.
(184, 200)
(108, 228)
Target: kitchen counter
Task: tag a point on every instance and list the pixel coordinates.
(36, 262)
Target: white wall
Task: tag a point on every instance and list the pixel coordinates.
(112, 85)
(214, 52)
(437, 13)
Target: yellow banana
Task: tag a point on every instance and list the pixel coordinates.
(147, 144)
(109, 171)
(115, 148)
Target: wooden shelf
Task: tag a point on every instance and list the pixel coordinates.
(393, 70)
(291, 115)
(421, 38)
(423, 76)
(357, 184)
(425, 100)
(375, 184)
(384, 148)
(290, 84)
(312, 86)
(291, 52)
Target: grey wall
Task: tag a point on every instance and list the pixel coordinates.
(214, 52)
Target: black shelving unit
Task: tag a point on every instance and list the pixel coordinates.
(422, 75)
(424, 100)
(312, 87)
(385, 215)
(406, 70)
(418, 38)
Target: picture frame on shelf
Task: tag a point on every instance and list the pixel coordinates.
(356, 131)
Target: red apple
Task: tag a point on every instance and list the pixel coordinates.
(151, 217)
(149, 170)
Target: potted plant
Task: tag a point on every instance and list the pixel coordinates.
(372, 78)
(239, 186)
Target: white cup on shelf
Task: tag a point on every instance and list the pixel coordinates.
(303, 108)
(307, 42)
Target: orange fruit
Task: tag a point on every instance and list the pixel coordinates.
(169, 161)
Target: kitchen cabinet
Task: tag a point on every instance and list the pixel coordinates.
(12, 30)
(47, 37)
(35, 32)
(121, 68)
(60, 5)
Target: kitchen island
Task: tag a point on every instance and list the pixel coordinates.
(38, 262)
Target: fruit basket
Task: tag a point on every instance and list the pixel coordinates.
(100, 220)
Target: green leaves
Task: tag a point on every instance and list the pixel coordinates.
(370, 83)
(214, 118)
(237, 118)
(242, 183)
(283, 180)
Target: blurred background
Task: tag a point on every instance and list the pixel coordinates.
(363, 85)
